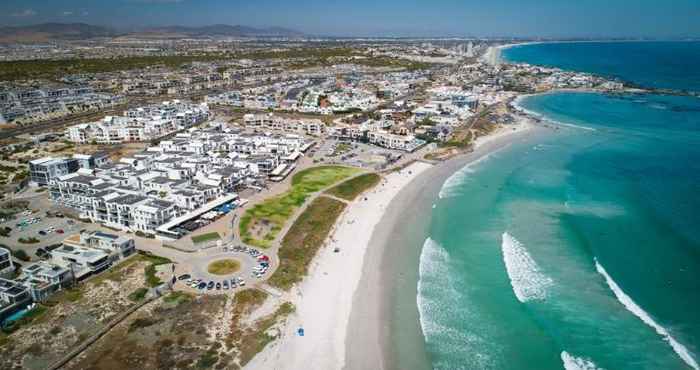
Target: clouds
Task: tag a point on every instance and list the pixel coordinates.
(24, 13)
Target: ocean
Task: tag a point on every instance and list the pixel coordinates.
(578, 249)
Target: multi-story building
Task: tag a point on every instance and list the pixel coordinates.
(116, 246)
(42, 279)
(177, 178)
(43, 170)
(140, 124)
(81, 261)
(7, 268)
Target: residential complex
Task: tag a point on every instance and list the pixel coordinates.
(79, 257)
(26, 104)
(140, 124)
(157, 190)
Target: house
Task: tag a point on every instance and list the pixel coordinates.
(82, 261)
(42, 279)
(116, 246)
(13, 297)
(7, 268)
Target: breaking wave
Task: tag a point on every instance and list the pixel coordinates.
(528, 282)
(440, 304)
(451, 186)
(631, 306)
(577, 363)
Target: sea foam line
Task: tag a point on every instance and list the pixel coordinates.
(450, 186)
(577, 363)
(631, 306)
(518, 106)
(528, 282)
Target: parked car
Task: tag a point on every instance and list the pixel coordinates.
(202, 285)
(225, 284)
(210, 286)
(184, 277)
(60, 231)
(218, 286)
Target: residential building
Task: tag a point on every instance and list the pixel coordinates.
(81, 261)
(13, 297)
(7, 267)
(42, 171)
(116, 246)
(42, 279)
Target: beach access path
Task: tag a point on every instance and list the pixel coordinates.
(324, 299)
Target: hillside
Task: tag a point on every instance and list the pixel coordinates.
(53, 31)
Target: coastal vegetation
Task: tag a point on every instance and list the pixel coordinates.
(350, 189)
(52, 69)
(304, 239)
(249, 340)
(261, 223)
(151, 279)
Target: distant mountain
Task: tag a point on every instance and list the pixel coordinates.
(224, 30)
(79, 31)
(53, 31)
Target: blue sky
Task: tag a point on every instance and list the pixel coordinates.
(526, 18)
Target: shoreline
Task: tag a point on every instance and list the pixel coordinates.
(344, 302)
(387, 283)
(323, 300)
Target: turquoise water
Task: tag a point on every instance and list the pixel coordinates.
(669, 65)
(578, 249)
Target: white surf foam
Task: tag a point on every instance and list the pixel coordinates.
(518, 106)
(577, 363)
(528, 282)
(451, 186)
(440, 305)
(433, 262)
(631, 306)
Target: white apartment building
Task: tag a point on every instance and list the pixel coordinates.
(116, 246)
(81, 261)
(140, 124)
(42, 279)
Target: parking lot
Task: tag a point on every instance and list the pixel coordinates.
(355, 154)
(36, 225)
(194, 277)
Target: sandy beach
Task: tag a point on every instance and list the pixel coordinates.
(387, 279)
(341, 304)
(324, 300)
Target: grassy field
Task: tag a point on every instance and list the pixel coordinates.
(224, 267)
(303, 240)
(350, 189)
(205, 237)
(268, 218)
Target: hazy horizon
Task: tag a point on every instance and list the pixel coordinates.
(391, 18)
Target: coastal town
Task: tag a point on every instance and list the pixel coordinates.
(186, 199)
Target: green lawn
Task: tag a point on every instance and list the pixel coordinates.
(201, 238)
(303, 240)
(224, 267)
(350, 189)
(273, 213)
